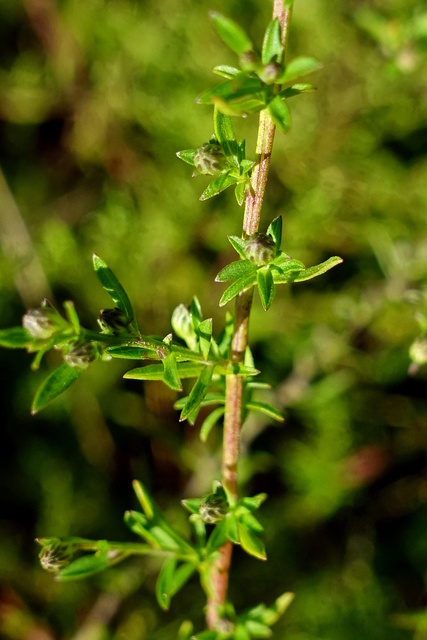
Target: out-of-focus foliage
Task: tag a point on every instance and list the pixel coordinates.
(96, 97)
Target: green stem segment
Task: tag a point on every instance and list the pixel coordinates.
(234, 384)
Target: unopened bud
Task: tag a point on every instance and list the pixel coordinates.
(113, 321)
(210, 159)
(182, 324)
(42, 322)
(56, 554)
(214, 507)
(81, 354)
(261, 249)
(270, 72)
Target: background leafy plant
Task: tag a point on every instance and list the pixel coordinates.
(346, 473)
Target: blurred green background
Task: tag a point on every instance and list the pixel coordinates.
(96, 97)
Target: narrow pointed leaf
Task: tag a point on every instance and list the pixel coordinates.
(218, 537)
(205, 337)
(238, 245)
(279, 111)
(297, 68)
(218, 185)
(57, 382)
(310, 272)
(265, 287)
(210, 422)
(113, 287)
(225, 134)
(275, 231)
(240, 192)
(226, 71)
(272, 47)
(237, 287)
(170, 581)
(236, 269)
(266, 409)
(187, 155)
(231, 33)
(170, 372)
(296, 90)
(155, 371)
(84, 567)
(130, 352)
(198, 392)
(251, 542)
(15, 338)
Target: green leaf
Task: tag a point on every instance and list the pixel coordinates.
(218, 537)
(210, 422)
(240, 192)
(296, 90)
(187, 155)
(224, 133)
(231, 33)
(308, 274)
(218, 185)
(280, 113)
(170, 372)
(57, 382)
(198, 392)
(254, 502)
(297, 68)
(241, 88)
(171, 579)
(72, 316)
(275, 231)
(113, 287)
(226, 71)
(265, 287)
(272, 48)
(15, 338)
(129, 352)
(251, 542)
(238, 245)
(266, 409)
(205, 337)
(155, 371)
(236, 269)
(237, 287)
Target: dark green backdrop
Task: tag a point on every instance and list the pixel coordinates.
(96, 97)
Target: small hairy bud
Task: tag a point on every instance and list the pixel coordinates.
(182, 324)
(213, 508)
(56, 554)
(42, 322)
(248, 61)
(113, 321)
(210, 159)
(270, 72)
(81, 354)
(260, 249)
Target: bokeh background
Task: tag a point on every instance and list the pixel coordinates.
(96, 97)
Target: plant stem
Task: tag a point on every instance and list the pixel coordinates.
(235, 384)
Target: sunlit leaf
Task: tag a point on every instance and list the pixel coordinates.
(113, 287)
(218, 185)
(266, 409)
(205, 337)
(237, 287)
(187, 155)
(55, 384)
(275, 231)
(265, 287)
(198, 392)
(297, 68)
(226, 71)
(279, 111)
(309, 273)
(238, 245)
(236, 269)
(251, 542)
(231, 33)
(170, 581)
(272, 47)
(225, 134)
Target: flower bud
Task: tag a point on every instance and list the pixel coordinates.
(270, 72)
(113, 321)
(182, 324)
(210, 159)
(214, 507)
(81, 354)
(260, 249)
(55, 554)
(42, 322)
